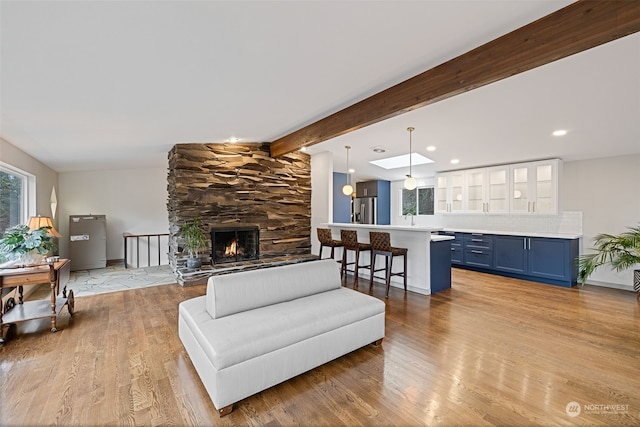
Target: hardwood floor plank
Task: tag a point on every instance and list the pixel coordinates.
(489, 351)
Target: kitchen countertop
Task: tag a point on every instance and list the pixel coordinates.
(516, 233)
(440, 238)
(385, 227)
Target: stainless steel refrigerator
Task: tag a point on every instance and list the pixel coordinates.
(365, 210)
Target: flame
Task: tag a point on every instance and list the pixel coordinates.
(231, 249)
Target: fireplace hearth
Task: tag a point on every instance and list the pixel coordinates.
(235, 243)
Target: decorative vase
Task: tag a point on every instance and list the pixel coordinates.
(194, 263)
(636, 282)
(31, 258)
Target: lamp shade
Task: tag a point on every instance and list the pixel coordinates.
(410, 183)
(36, 222)
(347, 190)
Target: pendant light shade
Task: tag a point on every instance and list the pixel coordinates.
(410, 183)
(347, 189)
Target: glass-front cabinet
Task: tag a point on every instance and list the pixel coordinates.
(487, 190)
(450, 192)
(522, 188)
(535, 187)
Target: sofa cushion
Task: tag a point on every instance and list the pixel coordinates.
(242, 336)
(234, 293)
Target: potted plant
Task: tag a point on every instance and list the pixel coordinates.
(621, 252)
(24, 246)
(193, 239)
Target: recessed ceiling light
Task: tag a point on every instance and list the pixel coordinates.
(379, 150)
(401, 161)
(431, 148)
(233, 139)
(303, 149)
(352, 170)
(559, 132)
(455, 161)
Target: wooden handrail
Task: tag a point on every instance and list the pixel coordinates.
(126, 236)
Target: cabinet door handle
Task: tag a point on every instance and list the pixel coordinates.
(529, 239)
(477, 252)
(533, 206)
(476, 240)
(524, 243)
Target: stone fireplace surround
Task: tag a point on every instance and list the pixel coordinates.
(236, 184)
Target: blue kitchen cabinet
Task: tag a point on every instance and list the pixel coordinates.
(457, 254)
(553, 259)
(478, 250)
(543, 259)
(511, 254)
(540, 259)
(440, 265)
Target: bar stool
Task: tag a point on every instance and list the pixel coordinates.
(350, 241)
(326, 240)
(381, 245)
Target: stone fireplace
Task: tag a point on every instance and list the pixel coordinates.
(236, 185)
(235, 244)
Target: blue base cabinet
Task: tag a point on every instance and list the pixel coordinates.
(511, 254)
(457, 254)
(440, 266)
(540, 259)
(478, 250)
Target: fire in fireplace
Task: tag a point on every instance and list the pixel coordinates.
(234, 244)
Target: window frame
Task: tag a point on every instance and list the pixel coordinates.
(28, 191)
(417, 201)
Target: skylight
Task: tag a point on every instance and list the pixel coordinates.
(401, 161)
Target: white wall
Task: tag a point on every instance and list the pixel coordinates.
(606, 191)
(134, 201)
(321, 194)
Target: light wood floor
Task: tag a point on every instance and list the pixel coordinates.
(491, 351)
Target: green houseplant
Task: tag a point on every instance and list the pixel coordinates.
(620, 251)
(193, 239)
(25, 246)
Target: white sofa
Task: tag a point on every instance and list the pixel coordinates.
(255, 329)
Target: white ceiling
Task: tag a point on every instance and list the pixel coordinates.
(115, 84)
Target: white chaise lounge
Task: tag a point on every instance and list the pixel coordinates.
(255, 329)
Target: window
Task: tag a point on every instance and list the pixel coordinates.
(418, 201)
(14, 190)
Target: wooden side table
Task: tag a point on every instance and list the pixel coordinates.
(54, 273)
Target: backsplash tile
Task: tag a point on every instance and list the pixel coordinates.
(564, 223)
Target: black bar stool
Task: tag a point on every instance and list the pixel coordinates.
(326, 240)
(350, 241)
(381, 245)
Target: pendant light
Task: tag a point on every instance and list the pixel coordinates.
(347, 189)
(410, 183)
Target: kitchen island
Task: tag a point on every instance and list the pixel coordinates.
(417, 240)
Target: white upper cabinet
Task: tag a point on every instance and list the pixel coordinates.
(523, 188)
(535, 187)
(487, 190)
(450, 192)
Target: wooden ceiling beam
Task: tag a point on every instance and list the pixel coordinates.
(572, 29)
